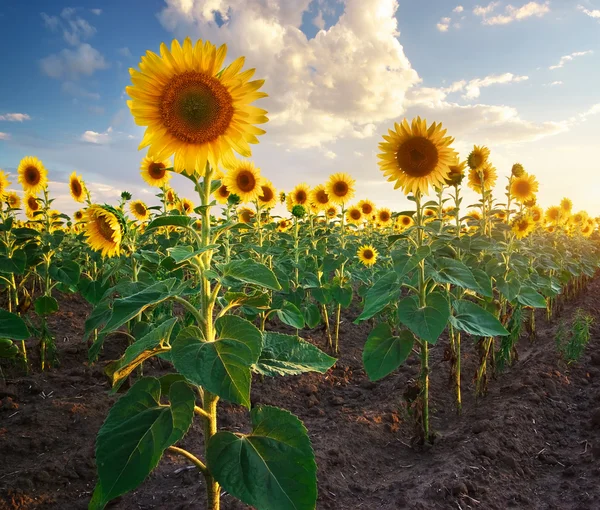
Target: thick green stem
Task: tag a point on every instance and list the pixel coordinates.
(210, 429)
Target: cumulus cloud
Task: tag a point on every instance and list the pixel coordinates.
(554, 83)
(96, 12)
(458, 9)
(125, 52)
(473, 87)
(567, 58)
(107, 137)
(511, 13)
(71, 64)
(4, 136)
(444, 24)
(595, 13)
(74, 28)
(318, 21)
(15, 117)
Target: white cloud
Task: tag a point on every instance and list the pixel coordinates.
(554, 83)
(15, 117)
(97, 138)
(125, 52)
(318, 21)
(74, 28)
(330, 155)
(594, 110)
(511, 13)
(76, 90)
(70, 64)
(4, 136)
(51, 22)
(473, 87)
(458, 9)
(567, 58)
(96, 12)
(443, 25)
(595, 13)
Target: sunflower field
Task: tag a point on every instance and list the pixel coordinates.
(189, 303)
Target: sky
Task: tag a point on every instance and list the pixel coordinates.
(522, 77)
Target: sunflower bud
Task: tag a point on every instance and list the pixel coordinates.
(298, 211)
(518, 170)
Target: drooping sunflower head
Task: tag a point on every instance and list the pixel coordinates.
(185, 206)
(579, 217)
(340, 188)
(483, 177)
(478, 157)
(155, 172)
(245, 215)
(367, 207)
(282, 197)
(554, 215)
(268, 195)
(524, 187)
(77, 187)
(367, 255)
(104, 229)
(13, 200)
(195, 108)
(587, 228)
(500, 215)
(523, 226)
(79, 215)
(319, 197)
(354, 215)
(384, 216)
(457, 172)
(403, 221)
(416, 156)
(331, 212)
(244, 180)
(517, 170)
(222, 194)
(33, 176)
(531, 202)
(300, 195)
(170, 198)
(474, 215)
(32, 205)
(4, 183)
(536, 213)
(139, 210)
(566, 205)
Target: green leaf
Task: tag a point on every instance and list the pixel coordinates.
(471, 318)
(455, 272)
(312, 315)
(332, 262)
(249, 271)
(273, 468)
(384, 352)
(404, 263)
(222, 366)
(529, 297)
(12, 326)
(342, 295)
(509, 288)
(290, 315)
(290, 355)
(429, 322)
(67, 272)
(484, 282)
(15, 264)
(182, 253)
(169, 221)
(385, 290)
(92, 291)
(322, 295)
(45, 305)
(255, 299)
(135, 435)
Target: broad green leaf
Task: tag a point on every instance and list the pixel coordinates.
(484, 281)
(529, 297)
(385, 290)
(182, 253)
(222, 366)
(322, 295)
(135, 435)
(255, 299)
(290, 315)
(15, 264)
(509, 287)
(66, 272)
(273, 468)
(471, 318)
(45, 305)
(332, 262)
(429, 322)
(455, 272)
(384, 352)
(250, 271)
(342, 295)
(169, 221)
(92, 291)
(290, 355)
(312, 315)
(404, 263)
(12, 326)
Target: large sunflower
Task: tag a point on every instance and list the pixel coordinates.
(104, 230)
(140, 210)
(478, 157)
(354, 215)
(340, 188)
(523, 226)
(416, 156)
(155, 172)
(193, 107)
(268, 195)
(524, 188)
(4, 183)
(77, 187)
(13, 200)
(300, 195)
(32, 175)
(482, 177)
(244, 180)
(384, 216)
(222, 194)
(319, 197)
(32, 206)
(367, 255)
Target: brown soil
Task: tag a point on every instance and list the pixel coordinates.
(533, 442)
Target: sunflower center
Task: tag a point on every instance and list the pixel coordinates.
(246, 181)
(76, 187)
(223, 191)
(300, 197)
(417, 157)
(157, 170)
(104, 228)
(322, 196)
(355, 214)
(340, 188)
(32, 175)
(536, 216)
(384, 216)
(32, 203)
(196, 108)
(522, 188)
(406, 220)
(368, 254)
(267, 194)
(78, 215)
(367, 208)
(140, 209)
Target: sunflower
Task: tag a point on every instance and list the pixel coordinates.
(482, 177)
(170, 198)
(415, 156)
(536, 213)
(104, 230)
(319, 197)
(523, 226)
(588, 228)
(283, 225)
(478, 157)
(222, 194)
(531, 202)
(430, 214)
(566, 205)
(193, 107)
(77, 187)
(31, 206)
(551, 229)
(13, 200)
(457, 172)
(79, 215)
(524, 187)
(367, 255)
(403, 221)
(140, 210)
(4, 183)
(331, 212)
(244, 180)
(300, 195)
(579, 217)
(354, 215)
(185, 206)
(245, 215)
(474, 215)
(155, 172)
(554, 215)
(384, 216)
(32, 175)
(268, 196)
(340, 188)
(517, 170)
(367, 207)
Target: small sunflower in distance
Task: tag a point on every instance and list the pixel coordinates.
(331, 212)
(457, 173)
(268, 195)
(283, 225)
(77, 187)
(404, 222)
(33, 176)
(354, 215)
(536, 213)
(245, 215)
(367, 255)
(384, 216)
(139, 210)
(185, 206)
(244, 180)
(367, 207)
(4, 183)
(340, 188)
(170, 198)
(478, 157)
(482, 178)
(524, 188)
(79, 215)
(554, 215)
(566, 205)
(416, 156)
(32, 206)
(13, 200)
(523, 226)
(300, 195)
(155, 172)
(222, 194)
(193, 107)
(319, 197)
(104, 230)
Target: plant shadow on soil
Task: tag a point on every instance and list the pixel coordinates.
(533, 442)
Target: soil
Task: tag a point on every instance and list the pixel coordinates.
(533, 442)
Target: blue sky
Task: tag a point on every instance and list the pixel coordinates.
(338, 74)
